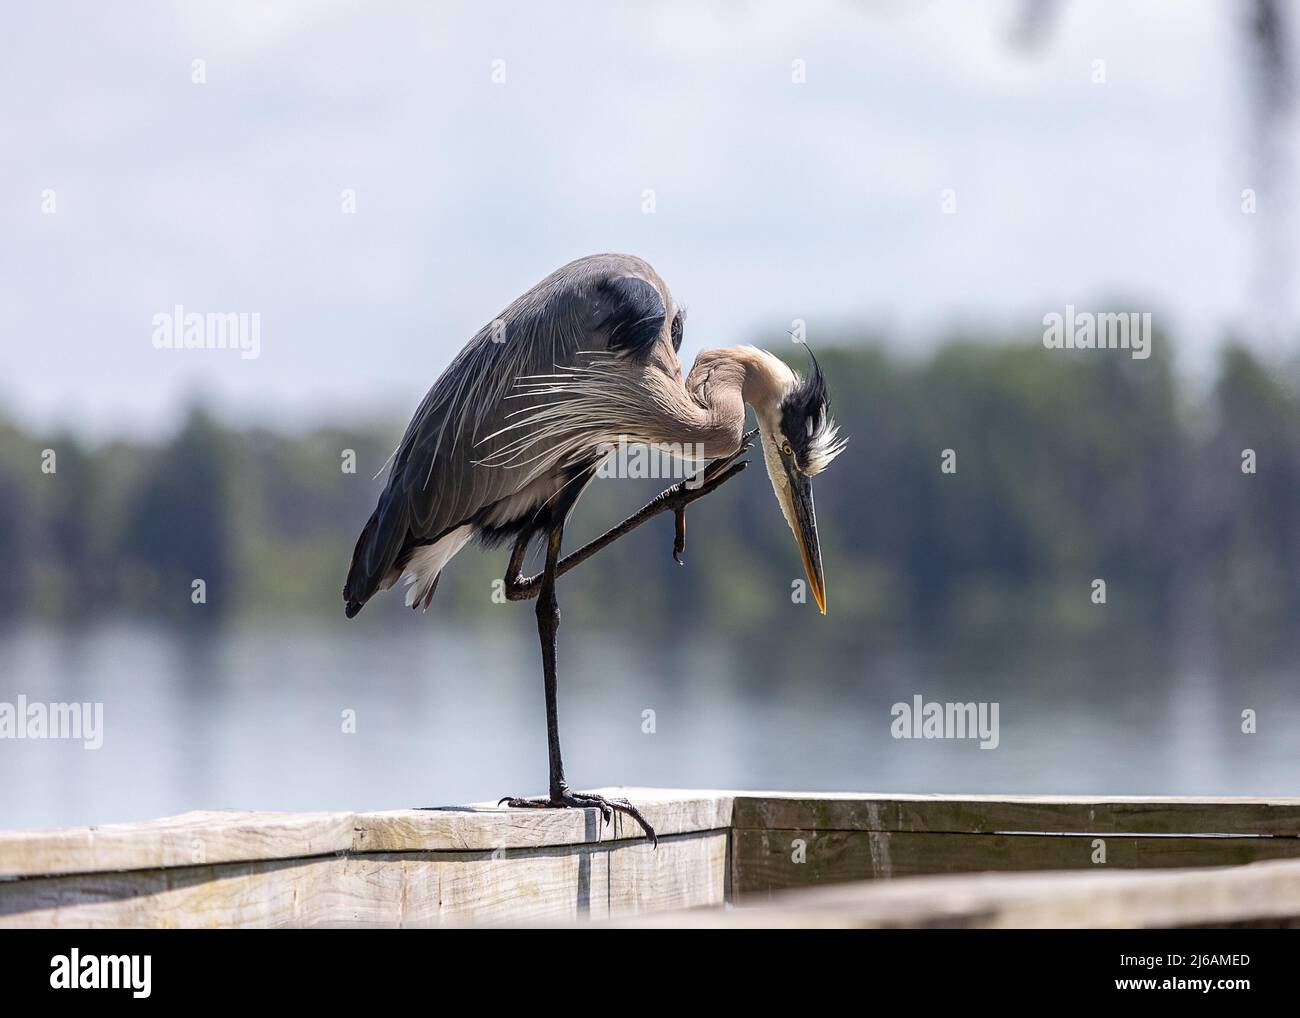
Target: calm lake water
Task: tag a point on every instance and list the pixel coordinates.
(250, 717)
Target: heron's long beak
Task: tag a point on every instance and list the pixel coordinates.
(804, 525)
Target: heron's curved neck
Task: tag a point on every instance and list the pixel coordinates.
(721, 383)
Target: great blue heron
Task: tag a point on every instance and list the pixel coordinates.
(510, 436)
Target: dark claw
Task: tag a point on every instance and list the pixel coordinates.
(715, 467)
(579, 800)
(679, 542)
(516, 803)
(595, 802)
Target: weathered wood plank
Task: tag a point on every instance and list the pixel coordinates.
(218, 837)
(185, 840)
(1263, 893)
(765, 861)
(410, 889)
(488, 826)
(484, 864)
(989, 814)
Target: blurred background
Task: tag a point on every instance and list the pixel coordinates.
(915, 184)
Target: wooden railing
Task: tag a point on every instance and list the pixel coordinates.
(485, 865)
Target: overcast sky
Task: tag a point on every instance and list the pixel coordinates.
(774, 200)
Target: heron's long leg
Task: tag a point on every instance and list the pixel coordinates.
(548, 627)
(674, 499)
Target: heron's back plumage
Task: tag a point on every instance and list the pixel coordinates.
(511, 421)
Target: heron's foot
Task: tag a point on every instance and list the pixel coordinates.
(586, 800)
(715, 467)
(716, 473)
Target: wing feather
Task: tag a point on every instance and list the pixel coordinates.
(468, 450)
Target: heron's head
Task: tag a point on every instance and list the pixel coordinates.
(799, 441)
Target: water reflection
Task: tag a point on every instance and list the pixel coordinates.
(252, 717)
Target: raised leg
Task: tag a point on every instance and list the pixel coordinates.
(674, 499)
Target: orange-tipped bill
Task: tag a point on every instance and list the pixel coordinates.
(805, 533)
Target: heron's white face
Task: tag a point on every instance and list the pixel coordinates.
(799, 441)
(793, 489)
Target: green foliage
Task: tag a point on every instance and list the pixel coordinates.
(1070, 466)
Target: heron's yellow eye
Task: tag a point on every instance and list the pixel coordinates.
(787, 449)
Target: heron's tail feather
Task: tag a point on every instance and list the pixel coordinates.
(423, 567)
(375, 556)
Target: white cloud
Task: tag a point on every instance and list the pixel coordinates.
(818, 200)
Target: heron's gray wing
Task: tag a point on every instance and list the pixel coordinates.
(459, 458)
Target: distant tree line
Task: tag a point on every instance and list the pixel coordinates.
(1063, 468)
